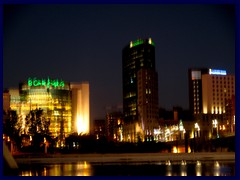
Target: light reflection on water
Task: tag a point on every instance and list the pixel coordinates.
(74, 169)
(182, 168)
(198, 168)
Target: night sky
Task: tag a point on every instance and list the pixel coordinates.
(84, 43)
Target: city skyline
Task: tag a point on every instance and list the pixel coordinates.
(84, 43)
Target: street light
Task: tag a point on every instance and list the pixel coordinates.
(197, 127)
(215, 122)
(215, 125)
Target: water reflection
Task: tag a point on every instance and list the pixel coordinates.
(216, 169)
(183, 168)
(198, 168)
(78, 169)
(167, 168)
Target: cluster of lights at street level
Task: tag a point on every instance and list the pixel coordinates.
(167, 132)
(214, 122)
(196, 126)
(222, 127)
(181, 128)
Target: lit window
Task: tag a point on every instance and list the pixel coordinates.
(131, 80)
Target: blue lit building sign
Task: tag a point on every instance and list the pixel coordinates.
(217, 72)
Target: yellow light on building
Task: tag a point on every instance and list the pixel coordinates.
(131, 44)
(205, 110)
(215, 123)
(197, 126)
(175, 149)
(81, 110)
(224, 127)
(150, 41)
(62, 103)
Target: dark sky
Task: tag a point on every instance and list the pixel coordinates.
(84, 43)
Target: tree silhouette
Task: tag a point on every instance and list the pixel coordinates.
(38, 127)
(12, 126)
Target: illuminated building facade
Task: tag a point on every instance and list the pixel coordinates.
(136, 56)
(80, 107)
(217, 89)
(58, 101)
(211, 94)
(114, 126)
(218, 92)
(148, 110)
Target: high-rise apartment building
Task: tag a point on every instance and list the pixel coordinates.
(217, 88)
(218, 91)
(211, 100)
(140, 87)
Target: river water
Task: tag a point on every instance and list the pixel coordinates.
(164, 168)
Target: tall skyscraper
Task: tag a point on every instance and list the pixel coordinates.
(140, 90)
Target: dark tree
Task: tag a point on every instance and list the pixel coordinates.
(12, 127)
(38, 127)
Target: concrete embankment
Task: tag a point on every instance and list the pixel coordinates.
(128, 157)
(8, 158)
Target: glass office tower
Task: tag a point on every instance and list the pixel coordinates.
(54, 99)
(65, 105)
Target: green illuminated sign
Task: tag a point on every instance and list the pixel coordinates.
(140, 41)
(137, 42)
(45, 82)
(152, 43)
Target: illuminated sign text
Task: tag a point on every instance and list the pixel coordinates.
(45, 82)
(217, 72)
(140, 41)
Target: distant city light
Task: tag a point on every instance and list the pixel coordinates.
(156, 131)
(181, 128)
(196, 126)
(217, 72)
(214, 122)
(151, 42)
